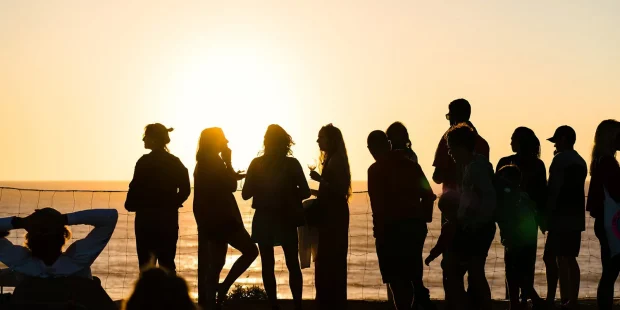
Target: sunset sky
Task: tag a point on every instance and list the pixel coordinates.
(79, 80)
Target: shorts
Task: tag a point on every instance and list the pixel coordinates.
(474, 243)
(400, 250)
(563, 243)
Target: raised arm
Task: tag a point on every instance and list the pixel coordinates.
(10, 254)
(84, 252)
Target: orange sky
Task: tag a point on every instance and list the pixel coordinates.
(80, 79)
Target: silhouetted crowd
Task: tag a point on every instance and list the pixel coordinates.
(517, 196)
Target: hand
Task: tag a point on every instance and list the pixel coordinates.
(240, 175)
(43, 220)
(428, 261)
(315, 176)
(227, 156)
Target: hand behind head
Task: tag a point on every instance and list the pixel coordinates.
(44, 220)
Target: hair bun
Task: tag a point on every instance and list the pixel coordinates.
(170, 129)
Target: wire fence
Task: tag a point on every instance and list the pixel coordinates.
(117, 266)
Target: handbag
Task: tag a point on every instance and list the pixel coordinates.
(313, 212)
(612, 227)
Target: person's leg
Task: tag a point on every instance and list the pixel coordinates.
(241, 241)
(569, 280)
(551, 269)
(267, 258)
(512, 275)
(203, 268)
(167, 245)
(217, 258)
(611, 268)
(527, 266)
(144, 238)
(422, 296)
(291, 255)
(403, 294)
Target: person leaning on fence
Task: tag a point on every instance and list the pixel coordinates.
(453, 285)
(565, 218)
(516, 218)
(158, 189)
(43, 257)
(603, 200)
(476, 207)
(160, 289)
(401, 200)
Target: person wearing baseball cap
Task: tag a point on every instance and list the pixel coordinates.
(565, 217)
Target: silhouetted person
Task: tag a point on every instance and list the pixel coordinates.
(333, 240)
(218, 218)
(42, 265)
(526, 146)
(605, 186)
(453, 285)
(516, 217)
(159, 289)
(476, 207)
(565, 217)
(402, 202)
(277, 184)
(446, 171)
(158, 189)
(399, 138)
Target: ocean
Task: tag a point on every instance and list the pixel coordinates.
(117, 266)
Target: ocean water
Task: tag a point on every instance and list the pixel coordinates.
(117, 265)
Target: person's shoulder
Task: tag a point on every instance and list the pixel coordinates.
(505, 161)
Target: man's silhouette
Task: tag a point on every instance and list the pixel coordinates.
(402, 202)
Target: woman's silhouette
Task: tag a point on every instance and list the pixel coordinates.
(399, 138)
(277, 184)
(158, 189)
(218, 218)
(333, 195)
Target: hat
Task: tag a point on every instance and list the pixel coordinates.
(564, 131)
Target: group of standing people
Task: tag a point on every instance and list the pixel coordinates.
(277, 186)
(516, 195)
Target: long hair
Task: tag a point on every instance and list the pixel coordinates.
(529, 145)
(277, 141)
(209, 139)
(604, 141)
(399, 136)
(335, 147)
(157, 289)
(158, 134)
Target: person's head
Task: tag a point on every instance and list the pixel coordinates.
(46, 234)
(563, 139)
(157, 289)
(459, 111)
(378, 144)
(212, 141)
(524, 142)
(448, 204)
(461, 142)
(606, 141)
(156, 137)
(331, 143)
(277, 141)
(398, 135)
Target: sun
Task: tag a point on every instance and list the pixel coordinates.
(237, 89)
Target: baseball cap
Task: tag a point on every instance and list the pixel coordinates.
(564, 131)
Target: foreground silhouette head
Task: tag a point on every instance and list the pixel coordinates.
(461, 142)
(448, 204)
(156, 137)
(509, 176)
(331, 143)
(398, 135)
(46, 234)
(160, 289)
(524, 142)
(459, 111)
(606, 141)
(564, 138)
(212, 141)
(378, 143)
(277, 141)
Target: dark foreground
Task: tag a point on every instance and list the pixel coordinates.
(368, 305)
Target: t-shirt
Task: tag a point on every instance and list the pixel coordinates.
(478, 196)
(444, 161)
(516, 217)
(565, 207)
(398, 190)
